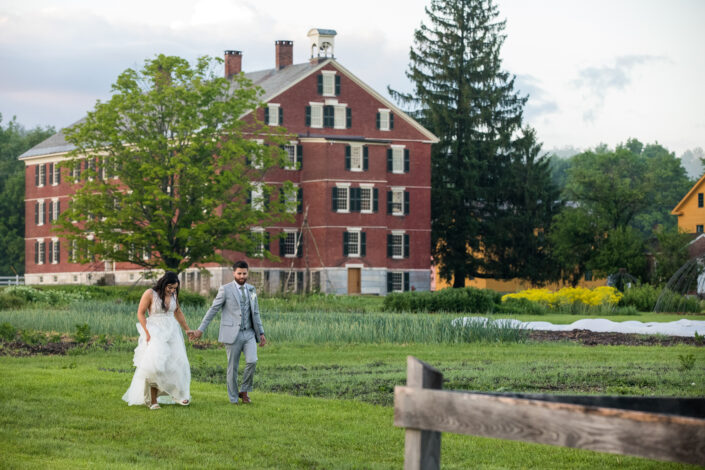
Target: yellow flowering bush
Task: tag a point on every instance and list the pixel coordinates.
(570, 296)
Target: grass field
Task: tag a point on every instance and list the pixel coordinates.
(323, 398)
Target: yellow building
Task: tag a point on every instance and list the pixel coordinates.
(691, 209)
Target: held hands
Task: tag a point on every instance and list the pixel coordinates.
(194, 334)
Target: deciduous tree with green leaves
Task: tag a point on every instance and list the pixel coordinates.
(489, 183)
(166, 169)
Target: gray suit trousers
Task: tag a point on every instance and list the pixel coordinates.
(244, 342)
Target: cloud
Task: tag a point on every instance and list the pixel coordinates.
(540, 102)
(597, 82)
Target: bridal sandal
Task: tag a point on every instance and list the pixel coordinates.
(184, 402)
(155, 406)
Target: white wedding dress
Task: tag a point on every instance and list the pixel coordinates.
(162, 362)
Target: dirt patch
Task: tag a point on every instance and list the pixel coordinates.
(592, 338)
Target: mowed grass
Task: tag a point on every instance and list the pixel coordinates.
(323, 394)
(66, 411)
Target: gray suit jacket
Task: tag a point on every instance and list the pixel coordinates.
(228, 302)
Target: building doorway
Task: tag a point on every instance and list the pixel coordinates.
(354, 280)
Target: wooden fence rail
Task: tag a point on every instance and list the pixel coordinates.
(671, 429)
(11, 280)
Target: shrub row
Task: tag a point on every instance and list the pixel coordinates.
(468, 299)
(19, 296)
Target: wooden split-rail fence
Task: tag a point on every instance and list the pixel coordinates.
(671, 429)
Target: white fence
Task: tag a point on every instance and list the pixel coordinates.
(11, 280)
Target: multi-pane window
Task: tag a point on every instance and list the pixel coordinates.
(701, 202)
(363, 199)
(76, 172)
(397, 201)
(40, 175)
(397, 159)
(354, 243)
(54, 251)
(55, 209)
(273, 115)
(328, 79)
(54, 174)
(341, 198)
(397, 281)
(356, 157)
(329, 114)
(39, 252)
(385, 120)
(397, 245)
(698, 229)
(316, 115)
(366, 199)
(340, 114)
(289, 244)
(294, 154)
(39, 213)
(256, 160)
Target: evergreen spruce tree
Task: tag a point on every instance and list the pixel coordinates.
(492, 193)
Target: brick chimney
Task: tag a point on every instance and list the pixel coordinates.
(233, 63)
(284, 51)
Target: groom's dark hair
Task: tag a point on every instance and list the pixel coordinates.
(241, 265)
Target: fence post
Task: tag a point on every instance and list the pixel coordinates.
(422, 449)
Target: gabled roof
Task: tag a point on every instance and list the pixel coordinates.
(273, 82)
(678, 210)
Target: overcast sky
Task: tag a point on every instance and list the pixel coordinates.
(596, 71)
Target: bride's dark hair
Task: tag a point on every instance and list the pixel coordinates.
(169, 277)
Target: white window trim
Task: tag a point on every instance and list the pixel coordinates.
(340, 123)
(398, 190)
(42, 175)
(371, 188)
(41, 251)
(398, 150)
(358, 231)
(57, 171)
(399, 233)
(292, 165)
(361, 149)
(54, 208)
(384, 119)
(296, 241)
(273, 114)
(328, 79)
(319, 107)
(54, 251)
(41, 212)
(347, 198)
(399, 273)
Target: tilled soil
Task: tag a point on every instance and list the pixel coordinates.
(591, 338)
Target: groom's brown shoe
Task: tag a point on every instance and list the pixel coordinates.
(245, 399)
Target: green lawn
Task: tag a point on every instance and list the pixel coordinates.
(66, 412)
(323, 397)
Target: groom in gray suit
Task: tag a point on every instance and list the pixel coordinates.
(240, 329)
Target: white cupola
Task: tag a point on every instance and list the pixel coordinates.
(322, 43)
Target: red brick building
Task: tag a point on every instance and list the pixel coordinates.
(363, 172)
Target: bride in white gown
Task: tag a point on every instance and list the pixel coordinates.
(163, 374)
